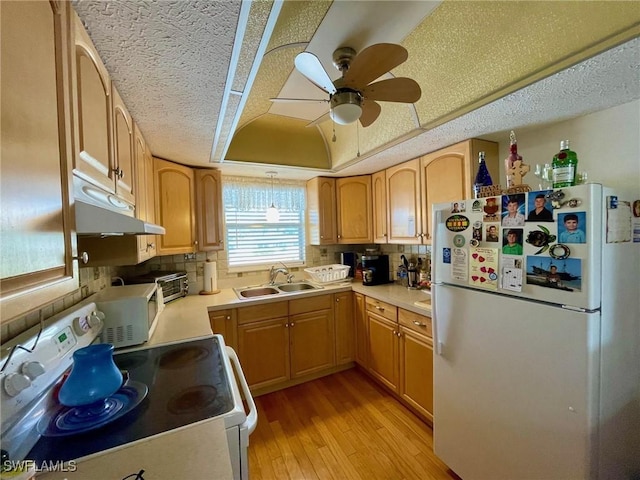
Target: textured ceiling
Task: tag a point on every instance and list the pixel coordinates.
(483, 67)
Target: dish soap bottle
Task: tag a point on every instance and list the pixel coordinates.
(564, 166)
(483, 179)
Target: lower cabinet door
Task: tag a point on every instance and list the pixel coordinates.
(312, 342)
(383, 350)
(416, 371)
(263, 348)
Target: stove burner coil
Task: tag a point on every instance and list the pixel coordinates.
(193, 399)
(182, 356)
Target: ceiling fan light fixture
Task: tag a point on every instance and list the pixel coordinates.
(346, 107)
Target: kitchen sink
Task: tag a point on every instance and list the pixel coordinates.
(268, 290)
(296, 287)
(251, 292)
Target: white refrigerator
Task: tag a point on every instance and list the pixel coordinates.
(536, 315)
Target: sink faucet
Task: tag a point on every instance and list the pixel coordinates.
(273, 273)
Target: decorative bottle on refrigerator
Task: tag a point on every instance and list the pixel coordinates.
(510, 161)
(564, 166)
(483, 179)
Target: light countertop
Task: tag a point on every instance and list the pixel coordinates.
(188, 318)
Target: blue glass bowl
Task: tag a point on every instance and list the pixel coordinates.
(94, 376)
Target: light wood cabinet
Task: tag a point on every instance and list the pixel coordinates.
(94, 155)
(362, 332)
(263, 348)
(38, 244)
(312, 342)
(225, 323)
(129, 249)
(345, 327)
(416, 362)
(123, 149)
(321, 211)
(404, 203)
(354, 212)
(383, 346)
(281, 341)
(175, 207)
(413, 187)
(448, 174)
(379, 202)
(145, 195)
(209, 209)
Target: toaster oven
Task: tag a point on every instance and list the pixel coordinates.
(174, 284)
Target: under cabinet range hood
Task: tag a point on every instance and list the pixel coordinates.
(102, 213)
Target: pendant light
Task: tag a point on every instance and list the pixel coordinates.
(273, 215)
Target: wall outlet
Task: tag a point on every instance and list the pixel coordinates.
(189, 256)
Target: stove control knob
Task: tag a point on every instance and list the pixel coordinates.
(81, 325)
(32, 369)
(14, 383)
(95, 319)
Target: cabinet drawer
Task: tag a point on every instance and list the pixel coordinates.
(415, 322)
(265, 311)
(309, 304)
(383, 309)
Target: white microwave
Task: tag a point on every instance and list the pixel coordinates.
(130, 313)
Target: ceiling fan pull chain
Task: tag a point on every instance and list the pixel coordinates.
(333, 139)
(358, 137)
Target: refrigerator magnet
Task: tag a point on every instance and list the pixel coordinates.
(558, 274)
(491, 210)
(458, 241)
(540, 238)
(457, 223)
(483, 266)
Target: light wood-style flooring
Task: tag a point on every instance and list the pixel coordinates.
(343, 426)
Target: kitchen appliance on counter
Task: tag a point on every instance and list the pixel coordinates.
(167, 388)
(350, 259)
(535, 328)
(174, 284)
(131, 313)
(375, 269)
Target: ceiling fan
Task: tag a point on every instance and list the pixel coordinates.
(353, 97)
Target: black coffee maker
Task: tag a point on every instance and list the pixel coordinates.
(375, 269)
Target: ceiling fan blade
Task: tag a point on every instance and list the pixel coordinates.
(370, 111)
(309, 66)
(399, 89)
(298, 100)
(373, 62)
(319, 120)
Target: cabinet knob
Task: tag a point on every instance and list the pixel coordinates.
(337, 299)
(419, 324)
(150, 246)
(378, 307)
(292, 324)
(82, 257)
(395, 333)
(339, 236)
(228, 317)
(118, 171)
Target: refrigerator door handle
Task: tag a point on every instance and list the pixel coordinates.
(437, 344)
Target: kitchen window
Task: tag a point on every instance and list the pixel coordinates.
(252, 241)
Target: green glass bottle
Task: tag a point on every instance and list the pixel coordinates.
(564, 166)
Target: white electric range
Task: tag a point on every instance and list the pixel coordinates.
(167, 388)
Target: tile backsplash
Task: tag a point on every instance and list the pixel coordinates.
(94, 279)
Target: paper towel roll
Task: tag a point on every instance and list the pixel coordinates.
(210, 277)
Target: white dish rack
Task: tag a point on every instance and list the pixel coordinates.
(328, 273)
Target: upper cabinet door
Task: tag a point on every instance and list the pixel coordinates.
(38, 244)
(379, 194)
(210, 213)
(353, 195)
(123, 149)
(404, 203)
(321, 211)
(175, 199)
(145, 202)
(93, 99)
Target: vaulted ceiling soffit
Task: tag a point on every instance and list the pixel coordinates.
(464, 55)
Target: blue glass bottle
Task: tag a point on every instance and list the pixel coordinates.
(483, 179)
